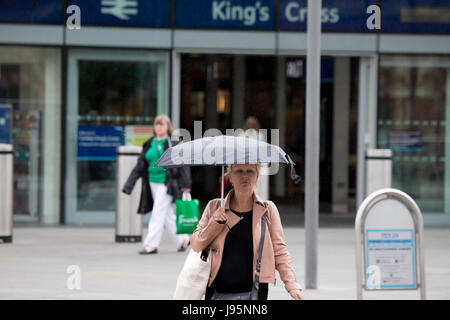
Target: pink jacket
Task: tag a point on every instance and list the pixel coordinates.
(211, 234)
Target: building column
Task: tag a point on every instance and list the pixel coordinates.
(212, 83)
(341, 109)
(238, 94)
(211, 116)
(176, 89)
(280, 123)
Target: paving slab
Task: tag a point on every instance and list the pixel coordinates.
(35, 265)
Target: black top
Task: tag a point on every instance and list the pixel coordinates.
(235, 273)
(236, 270)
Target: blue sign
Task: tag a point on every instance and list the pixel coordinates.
(99, 143)
(144, 13)
(416, 16)
(406, 141)
(42, 11)
(5, 125)
(337, 15)
(226, 14)
(326, 69)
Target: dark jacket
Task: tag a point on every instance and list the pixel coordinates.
(177, 178)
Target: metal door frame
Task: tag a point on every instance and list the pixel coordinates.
(72, 216)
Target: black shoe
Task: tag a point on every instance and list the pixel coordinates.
(154, 251)
(182, 248)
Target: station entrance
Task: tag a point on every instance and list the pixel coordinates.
(224, 91)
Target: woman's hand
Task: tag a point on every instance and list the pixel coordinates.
(186, 190)
(296, 294)
(219, 216)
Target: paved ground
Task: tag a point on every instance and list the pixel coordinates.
(35, 265)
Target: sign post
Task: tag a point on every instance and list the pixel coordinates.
(312, 143)
(389, 243)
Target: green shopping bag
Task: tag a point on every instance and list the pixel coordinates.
(187, 214)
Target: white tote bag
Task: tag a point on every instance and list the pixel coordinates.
(193, 278)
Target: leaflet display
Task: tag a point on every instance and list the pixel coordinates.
(390, 255)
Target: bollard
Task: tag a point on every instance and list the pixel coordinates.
(378, 170)
(128, 222)
(389, 244)
(6, 192)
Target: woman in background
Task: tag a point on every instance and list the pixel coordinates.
(160, 187)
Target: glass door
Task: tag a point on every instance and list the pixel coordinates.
(24, 131)
(29, 121)
(413, 117)
(110, 92)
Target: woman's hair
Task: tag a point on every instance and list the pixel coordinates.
(162, 118)
(230, 168)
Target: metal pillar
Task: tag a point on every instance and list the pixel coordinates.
(312, 141)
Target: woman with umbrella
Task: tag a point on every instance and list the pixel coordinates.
(233, 233)
(242, 233)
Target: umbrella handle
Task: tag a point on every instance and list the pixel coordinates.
(221, 192)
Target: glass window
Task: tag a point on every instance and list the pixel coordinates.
(30, 105)
(413, 121)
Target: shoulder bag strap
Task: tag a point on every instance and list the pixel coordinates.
(261, 245)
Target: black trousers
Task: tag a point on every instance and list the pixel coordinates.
(262, 292)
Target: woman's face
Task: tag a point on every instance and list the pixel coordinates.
(244, 177)
(161, 128)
